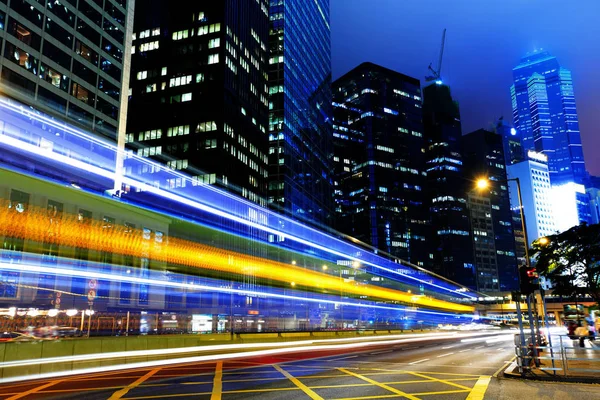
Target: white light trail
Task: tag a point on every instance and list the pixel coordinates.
(290, 347)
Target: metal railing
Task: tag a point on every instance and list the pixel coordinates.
(568, 356)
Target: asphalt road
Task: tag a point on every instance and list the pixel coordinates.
(441, 369)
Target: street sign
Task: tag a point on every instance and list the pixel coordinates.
(91, 294)
(92, 283)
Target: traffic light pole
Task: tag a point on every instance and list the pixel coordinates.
(528, 266)
(532, 327)
(517, 299)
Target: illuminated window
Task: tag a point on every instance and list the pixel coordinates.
(180, 35)
(213, 58)
(178, 131)
(207, 126)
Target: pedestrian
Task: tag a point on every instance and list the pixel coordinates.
(592, 331)
(571, 326)
(581, 332)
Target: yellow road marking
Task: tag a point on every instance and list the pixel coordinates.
(432, 379)
(94, 389)
(34, 390)
(120, 393)
(480, 387)
(262, 390)
(164, 396)
(381, 385)
(445, 392)
(505, 365)
(385, 383)
(387, 396)
(297, 382)
(401, 371)
(217, 382)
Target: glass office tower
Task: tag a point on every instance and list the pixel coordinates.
(68, 59)
(199, 95)
(300, 109)
(447, 186)
(379, 164)
(545, 115)
(491, 215)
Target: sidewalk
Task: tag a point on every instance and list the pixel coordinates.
(582, 364)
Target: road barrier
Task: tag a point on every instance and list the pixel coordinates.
(567, 357)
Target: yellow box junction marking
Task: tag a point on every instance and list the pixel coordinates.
(120, 393)
(480, 388)
(297, 382)
(381, 385)
(217, 382)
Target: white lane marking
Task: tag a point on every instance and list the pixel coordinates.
(417, 362)
(382, 352)
(501, 349)
(462, 351)
(480, 347)
(449, 347)
(444, 355)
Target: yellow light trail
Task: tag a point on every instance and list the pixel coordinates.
(36, 225)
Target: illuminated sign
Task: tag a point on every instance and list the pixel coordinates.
(535, 156)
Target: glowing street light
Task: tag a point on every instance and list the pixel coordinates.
(543, 241)
(324, 267)
(483, 183)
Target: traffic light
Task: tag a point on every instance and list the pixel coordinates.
(528, 280)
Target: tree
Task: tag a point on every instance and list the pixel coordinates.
(571, 261)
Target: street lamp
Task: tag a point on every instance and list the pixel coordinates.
(484, 183)
(543, 241)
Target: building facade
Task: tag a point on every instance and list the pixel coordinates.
(511, 142)
(536, 194)
(545, 115)
(300, 182)
(484, 245)
(69, 59)
(379, 165)
(199, 95)
(483, 153)
(447, 187)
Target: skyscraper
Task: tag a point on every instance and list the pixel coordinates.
(300, 109)
(511, 142)
(483, 153)
(534, 179)
(69, 59)
(447, 187)
(545, 115)
(379, 164)
(199, 96)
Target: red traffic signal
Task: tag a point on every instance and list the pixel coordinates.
(528, 280)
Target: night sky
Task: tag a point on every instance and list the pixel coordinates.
(485, 40)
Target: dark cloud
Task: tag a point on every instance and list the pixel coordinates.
(486, 39)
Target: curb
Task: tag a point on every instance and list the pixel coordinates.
(510, 373)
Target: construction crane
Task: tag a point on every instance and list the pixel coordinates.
(437, 73)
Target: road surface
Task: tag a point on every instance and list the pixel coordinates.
(440, 369)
